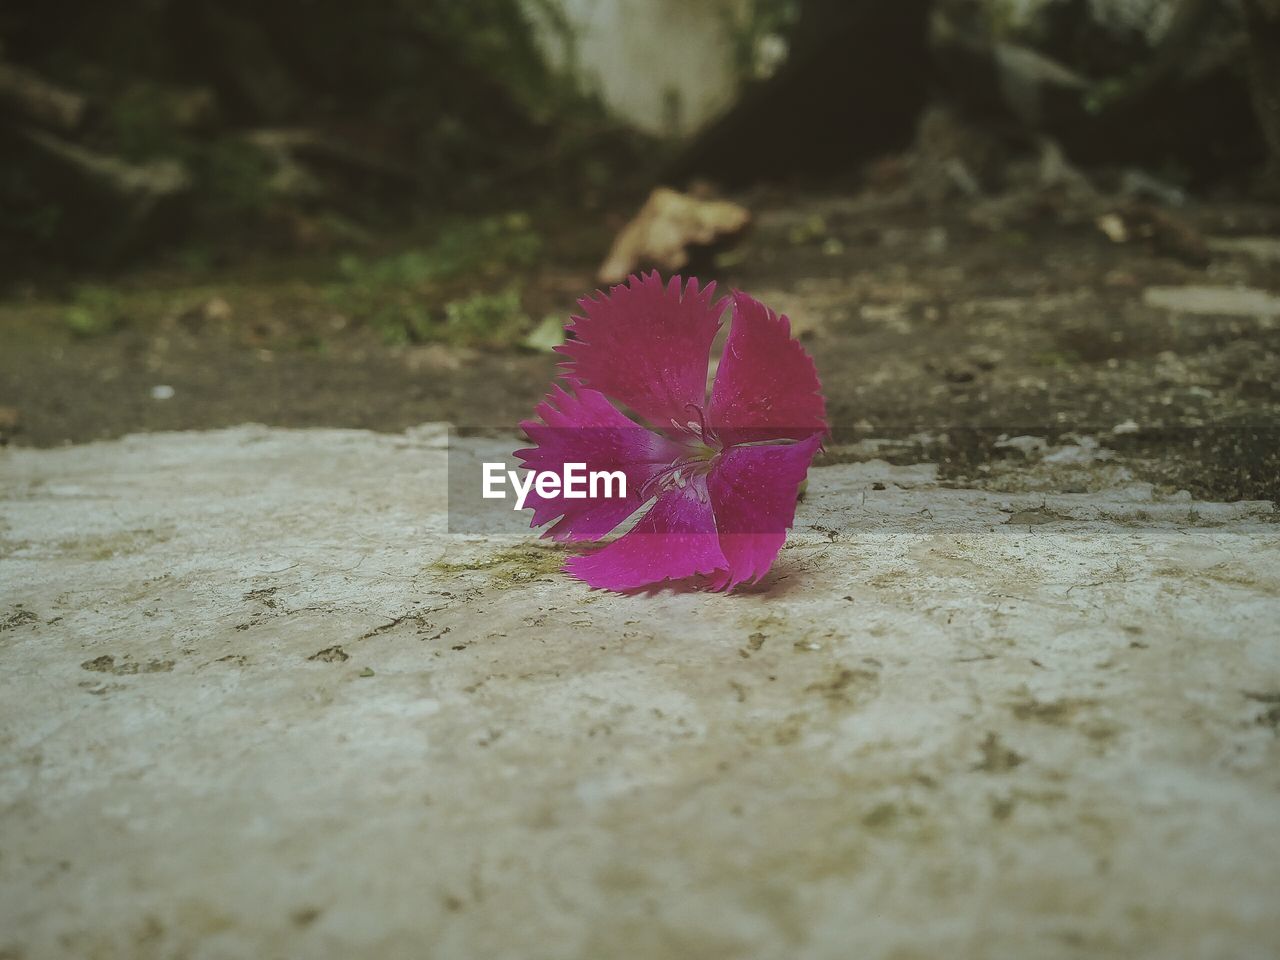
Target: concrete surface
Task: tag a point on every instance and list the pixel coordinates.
(256, 702)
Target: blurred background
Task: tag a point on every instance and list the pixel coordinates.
(990, 215)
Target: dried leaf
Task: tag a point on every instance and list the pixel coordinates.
(666, 227)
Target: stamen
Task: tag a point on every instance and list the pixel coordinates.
(701, 425)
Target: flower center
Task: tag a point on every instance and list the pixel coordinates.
(699, 427)
(701, 447)
(685, 471)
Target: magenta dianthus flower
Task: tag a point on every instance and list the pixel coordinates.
(721, 473)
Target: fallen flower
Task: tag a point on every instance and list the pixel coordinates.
(722, 474)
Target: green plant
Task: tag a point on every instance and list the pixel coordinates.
(491, 318)
(93, 312)
(410, 296)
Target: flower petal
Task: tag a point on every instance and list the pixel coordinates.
(675, 540)
(766, 386)
(584, 427)
(753, 495)
(646, 346)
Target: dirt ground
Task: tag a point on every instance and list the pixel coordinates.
(945, 326)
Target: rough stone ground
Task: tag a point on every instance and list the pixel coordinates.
(258, 702)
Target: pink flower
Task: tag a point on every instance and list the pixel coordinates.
(722, 474)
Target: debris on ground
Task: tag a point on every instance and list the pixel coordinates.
(546, 336)
(665, 230)
(1164, 232)
(1215, 301)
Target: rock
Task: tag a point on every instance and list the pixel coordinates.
(918, 691)
(1214, 301)
(1113, 225)
(1025, 445)
(1075, 454)
(1261, 248)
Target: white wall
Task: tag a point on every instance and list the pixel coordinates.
(665, 66)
